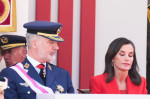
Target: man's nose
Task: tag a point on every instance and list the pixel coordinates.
(56, 47)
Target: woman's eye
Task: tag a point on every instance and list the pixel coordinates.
(121, 54)
(130, 55)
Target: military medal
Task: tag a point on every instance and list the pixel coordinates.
(44, 74)
(60, 88)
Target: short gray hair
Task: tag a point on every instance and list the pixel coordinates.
(30, 37)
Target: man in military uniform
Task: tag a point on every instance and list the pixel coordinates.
(35, 75)
(14, 48)
(3, 81)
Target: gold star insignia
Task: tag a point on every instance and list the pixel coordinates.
(26, 65)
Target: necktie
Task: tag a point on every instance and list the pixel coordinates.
(42, 72)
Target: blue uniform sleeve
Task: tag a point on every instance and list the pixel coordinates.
(16, 90)
(69, 83)
(11, 91)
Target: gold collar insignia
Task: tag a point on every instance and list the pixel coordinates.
(26, 65)
(49, 67)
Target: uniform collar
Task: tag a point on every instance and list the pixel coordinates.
(34, 63)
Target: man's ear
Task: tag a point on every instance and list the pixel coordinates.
(34, 44)
(24, 52)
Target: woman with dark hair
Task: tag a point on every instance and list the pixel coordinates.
(121, 71)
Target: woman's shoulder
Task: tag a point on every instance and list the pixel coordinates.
(143, 79)
(143, 85)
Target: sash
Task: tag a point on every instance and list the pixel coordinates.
(34, 85)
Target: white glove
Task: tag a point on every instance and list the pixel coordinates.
(3, 83)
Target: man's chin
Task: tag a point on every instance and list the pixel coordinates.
(8, 65)
(52, 58)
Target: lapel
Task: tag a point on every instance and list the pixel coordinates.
(113, 87)
(31, 71)
(50, 74)
(131, 88)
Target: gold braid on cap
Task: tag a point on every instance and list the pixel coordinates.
(9, 46)
(51, 36)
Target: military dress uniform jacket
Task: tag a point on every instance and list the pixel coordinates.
(55, 77)
(99, 86)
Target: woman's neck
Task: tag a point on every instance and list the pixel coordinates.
(121, 76)
(121, 79)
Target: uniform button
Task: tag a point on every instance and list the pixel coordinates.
(28, 92)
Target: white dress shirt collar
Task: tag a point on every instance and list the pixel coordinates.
(34, 63)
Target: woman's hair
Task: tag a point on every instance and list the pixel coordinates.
(113, 49)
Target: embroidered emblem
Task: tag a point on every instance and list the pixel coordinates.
(60, 88)
(26, 65)
(4, 40)
(24, 84)
(59, 30)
